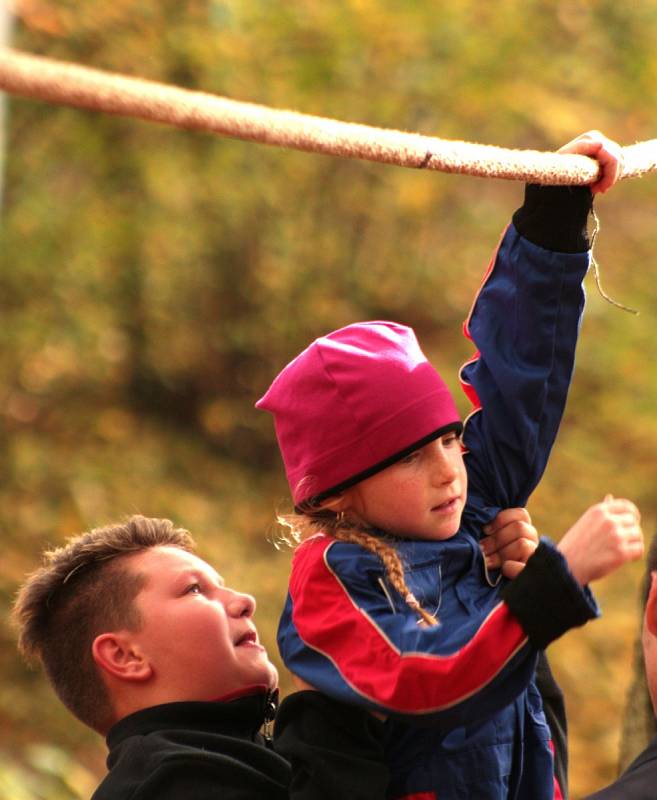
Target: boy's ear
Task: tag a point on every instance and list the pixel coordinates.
(651, 605)
(118, 655)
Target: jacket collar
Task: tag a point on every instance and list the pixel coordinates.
(243, 715)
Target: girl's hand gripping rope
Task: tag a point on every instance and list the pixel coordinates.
(606, 152)
(609, 156)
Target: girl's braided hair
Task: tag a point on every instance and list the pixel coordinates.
(312, 519)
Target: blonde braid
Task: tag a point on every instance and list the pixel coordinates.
(314, 518)
(394, 568)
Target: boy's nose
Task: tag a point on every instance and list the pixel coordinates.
(240, 605)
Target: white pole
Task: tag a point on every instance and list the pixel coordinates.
(6, 27)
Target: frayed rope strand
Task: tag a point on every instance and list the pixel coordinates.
(596, 269)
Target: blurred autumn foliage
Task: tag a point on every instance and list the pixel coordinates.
(153, 281)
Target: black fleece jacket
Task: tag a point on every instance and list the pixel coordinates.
(214, 751)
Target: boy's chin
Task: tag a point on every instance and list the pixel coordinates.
(267, 675)
(273, 677)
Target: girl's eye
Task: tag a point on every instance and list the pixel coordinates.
(448, 441)
(411, 457)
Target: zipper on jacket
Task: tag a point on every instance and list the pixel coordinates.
(271, 705)
(382, 584)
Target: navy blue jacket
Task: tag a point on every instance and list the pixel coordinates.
(464, 717)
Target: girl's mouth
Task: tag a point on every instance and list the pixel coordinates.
(448, 507)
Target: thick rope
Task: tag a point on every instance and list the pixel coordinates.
(69, 84)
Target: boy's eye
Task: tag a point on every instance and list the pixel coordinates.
(193, 588)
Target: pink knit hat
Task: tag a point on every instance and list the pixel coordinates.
(354, 402)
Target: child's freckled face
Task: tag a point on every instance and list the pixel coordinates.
(420, 497)
(197, 633)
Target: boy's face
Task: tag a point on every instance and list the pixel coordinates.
(197, 634)
(420, 497)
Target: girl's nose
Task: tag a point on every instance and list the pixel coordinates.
(444, 470)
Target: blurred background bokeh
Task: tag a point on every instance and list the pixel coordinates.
(153, 280)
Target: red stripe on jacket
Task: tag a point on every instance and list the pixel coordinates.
(328, 620)
(557, 788)
(466, 387)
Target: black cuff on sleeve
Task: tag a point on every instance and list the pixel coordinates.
(546, 599)
(554, 217)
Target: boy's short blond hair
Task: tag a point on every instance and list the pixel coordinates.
(82, 590)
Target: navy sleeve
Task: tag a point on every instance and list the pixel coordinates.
(524, 323)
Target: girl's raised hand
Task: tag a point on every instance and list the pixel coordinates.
(604, 538)
(607, 153)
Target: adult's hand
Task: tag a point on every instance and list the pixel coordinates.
(606, 536)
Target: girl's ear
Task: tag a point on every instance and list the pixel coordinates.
(118, 655)
(651, 605)
(336, 502)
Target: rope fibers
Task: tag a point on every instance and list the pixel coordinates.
(69, 84)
